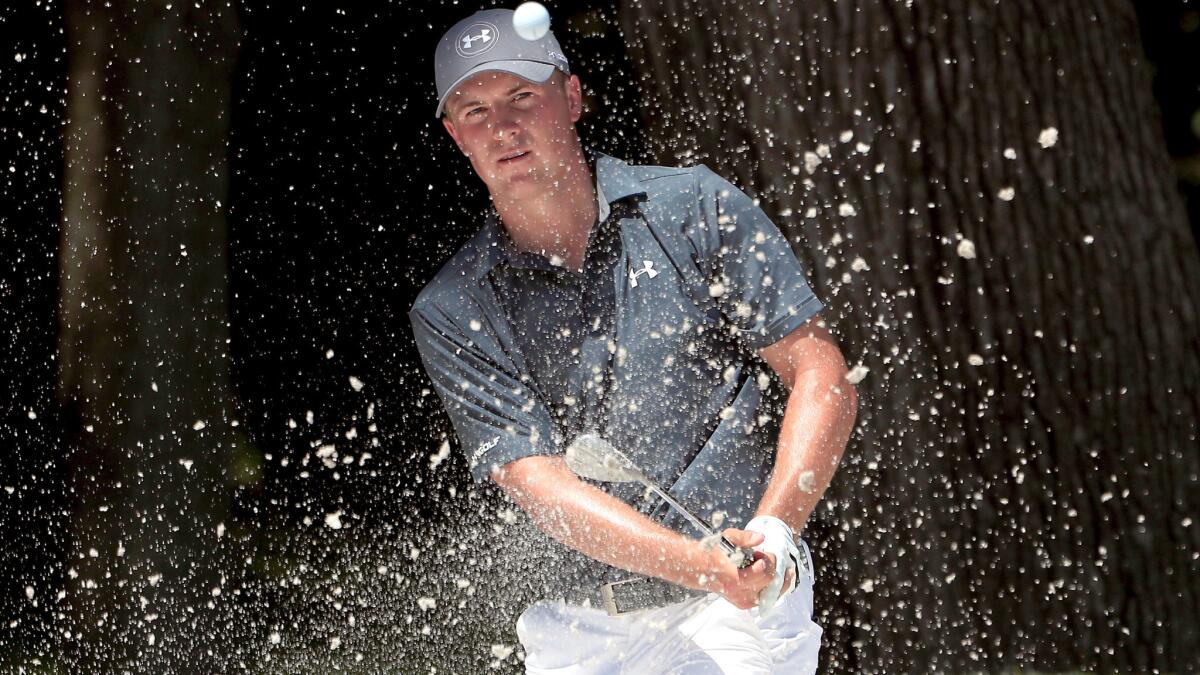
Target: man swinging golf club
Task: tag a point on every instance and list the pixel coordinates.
(657, 310)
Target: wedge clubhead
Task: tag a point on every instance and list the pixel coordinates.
(593, 457)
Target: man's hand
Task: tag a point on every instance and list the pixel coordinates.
(772, 563)
(780, 545)
(740, 586)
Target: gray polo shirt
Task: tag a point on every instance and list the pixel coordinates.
(658, 359)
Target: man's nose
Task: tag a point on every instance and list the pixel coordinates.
(504, 124)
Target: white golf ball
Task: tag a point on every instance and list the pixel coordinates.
(531, 20)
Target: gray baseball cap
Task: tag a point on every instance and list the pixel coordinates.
(486, 41)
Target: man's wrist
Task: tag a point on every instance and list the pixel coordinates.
(689, 563)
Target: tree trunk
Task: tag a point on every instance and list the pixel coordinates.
(982, 195)
(143, 348)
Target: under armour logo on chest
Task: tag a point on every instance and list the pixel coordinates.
(647, 268)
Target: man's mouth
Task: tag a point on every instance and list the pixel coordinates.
(514, 155)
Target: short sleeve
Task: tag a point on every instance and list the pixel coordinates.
(754, 276)
(496, 417)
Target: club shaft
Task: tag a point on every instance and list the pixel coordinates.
(744, 555)
(700, 524)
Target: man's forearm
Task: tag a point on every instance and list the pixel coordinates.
(820, 415)
(603, 527)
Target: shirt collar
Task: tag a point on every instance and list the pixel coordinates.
(615, 181)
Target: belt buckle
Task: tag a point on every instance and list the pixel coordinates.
(621, 606)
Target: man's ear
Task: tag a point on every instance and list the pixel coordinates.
(574, 97)
(453, 133)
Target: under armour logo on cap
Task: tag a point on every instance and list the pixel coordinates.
(647, 268)
(483, 33)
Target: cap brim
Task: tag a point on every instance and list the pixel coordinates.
(534, 71)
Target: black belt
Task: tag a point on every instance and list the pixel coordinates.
(639, 593)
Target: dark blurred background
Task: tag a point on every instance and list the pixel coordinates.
(344, 197)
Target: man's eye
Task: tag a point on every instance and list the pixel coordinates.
(474, 112)
(524, 94)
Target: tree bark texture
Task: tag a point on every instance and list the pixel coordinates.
(143, 347)
(983, 197)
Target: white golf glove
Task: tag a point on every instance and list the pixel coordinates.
(780, 543)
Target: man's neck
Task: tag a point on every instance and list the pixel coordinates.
(558, 221)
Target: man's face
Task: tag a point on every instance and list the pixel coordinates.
(519, 136)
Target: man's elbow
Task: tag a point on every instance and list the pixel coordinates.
(835, 379)
(513, 475)
(851, 401)
(527, 475)
(844, 395)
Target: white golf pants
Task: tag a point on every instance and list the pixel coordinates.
(698, 636)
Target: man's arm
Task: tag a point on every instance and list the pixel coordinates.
(765, 294)
(820, 414)
(603, 527)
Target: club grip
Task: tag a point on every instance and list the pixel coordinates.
(744, 557)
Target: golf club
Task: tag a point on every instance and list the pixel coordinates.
(592, 457)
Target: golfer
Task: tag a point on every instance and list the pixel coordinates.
(660, 309)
